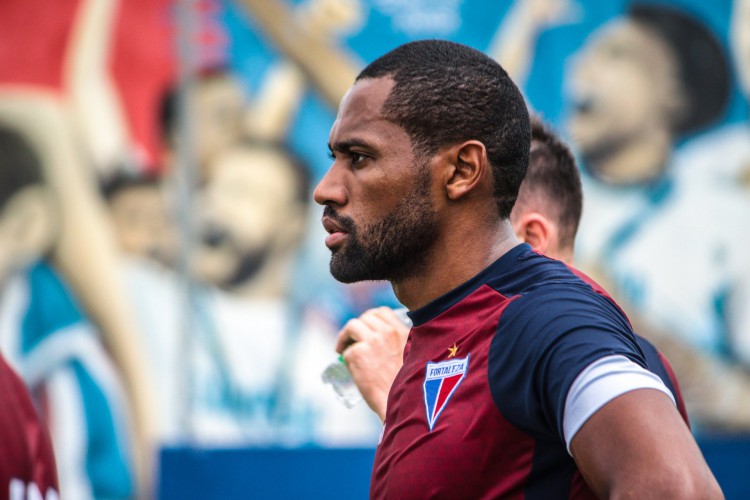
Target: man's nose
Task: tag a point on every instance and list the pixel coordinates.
(331, 190)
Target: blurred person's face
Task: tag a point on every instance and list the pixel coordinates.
(624, 83)
(143, 224)
(740, 36)
(250, 212)
(220, 107)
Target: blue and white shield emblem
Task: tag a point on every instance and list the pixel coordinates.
(440, 382)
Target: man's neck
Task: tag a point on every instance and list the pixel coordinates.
(454, 260)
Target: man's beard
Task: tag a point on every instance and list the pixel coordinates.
(392, 248)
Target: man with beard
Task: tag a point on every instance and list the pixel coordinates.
(518, 378)
(546, 216)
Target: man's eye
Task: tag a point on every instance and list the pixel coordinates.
(357, 158)
(331, 156)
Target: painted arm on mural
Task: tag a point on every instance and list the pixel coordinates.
(93, 267)
(93, 95)
(272, 110)
(306, 38)
(514, 41)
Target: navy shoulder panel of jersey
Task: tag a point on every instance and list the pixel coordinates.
(514, 271)
(655, 363)
(555, 326)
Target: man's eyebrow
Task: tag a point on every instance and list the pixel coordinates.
(348, 145)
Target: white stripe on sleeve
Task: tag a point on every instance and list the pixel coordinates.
(601, 382)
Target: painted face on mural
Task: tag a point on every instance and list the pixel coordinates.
(378, 213)
(143, 224)
(220, 108)
(624, 83)
(250, 214)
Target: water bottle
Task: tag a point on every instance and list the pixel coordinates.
(338, 375)
(340, 378)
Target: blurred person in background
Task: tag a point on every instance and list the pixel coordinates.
(141, 216)
(83, 77)
(640, 83)
(254, 351)
(46, 336)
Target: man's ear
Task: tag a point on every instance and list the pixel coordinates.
(469, 168)
(536, 230)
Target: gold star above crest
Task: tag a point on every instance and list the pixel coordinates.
(452, 350)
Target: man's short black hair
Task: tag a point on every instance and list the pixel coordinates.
(20, 166)
(445, 93)
(554, 175)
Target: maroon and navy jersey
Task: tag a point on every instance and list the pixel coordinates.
(27, 463)
(655, 360)
(477, 409)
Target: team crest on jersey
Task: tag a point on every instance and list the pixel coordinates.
(440, 382)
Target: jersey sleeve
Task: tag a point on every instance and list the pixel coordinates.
(601, 382)
(544, 340)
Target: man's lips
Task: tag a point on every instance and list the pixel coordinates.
(336, 232)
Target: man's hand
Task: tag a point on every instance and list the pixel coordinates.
(373, 347)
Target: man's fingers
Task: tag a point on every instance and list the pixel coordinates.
(354, 330)
(376, 321)
(374, 324)
(352, 352)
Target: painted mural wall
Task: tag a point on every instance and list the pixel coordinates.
(162, 263)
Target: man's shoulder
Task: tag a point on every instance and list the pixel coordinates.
(522, 269)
